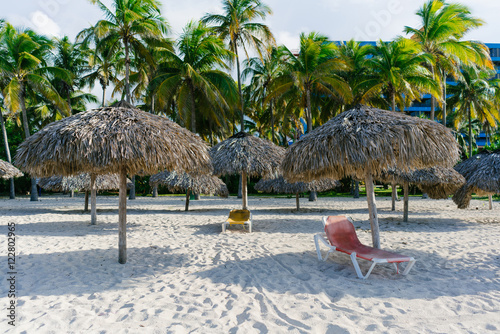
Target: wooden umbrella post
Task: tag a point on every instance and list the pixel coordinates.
(372, 208)
(405, 211)
(187, 199)
(93, 204)
(297, 200)
(122, 218)
(244, 190)
(490, 198)
(86, 207)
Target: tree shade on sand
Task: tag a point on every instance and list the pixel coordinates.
(363, 142)
(117, 139)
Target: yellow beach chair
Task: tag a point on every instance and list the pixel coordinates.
(238, 217)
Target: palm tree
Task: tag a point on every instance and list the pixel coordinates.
(315, 70)
(200, 90)
(357, 56)
(105, 66)
(23, 66)
(263, 71)
(131, 26)
(72, 58)
(398, 71)
(238, 27)
(475, 95)
(443, 26)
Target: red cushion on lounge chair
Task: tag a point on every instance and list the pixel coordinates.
(341, 234)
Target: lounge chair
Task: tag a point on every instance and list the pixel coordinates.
(238, 217)
(340, 235)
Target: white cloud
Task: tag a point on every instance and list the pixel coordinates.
(44, 24)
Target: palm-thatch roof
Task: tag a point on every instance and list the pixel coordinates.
(118, 139)
(437, 182)
(369, 137)
(104, 140)
(482, 172)
(246, 153)
(200, 184)
(280, 185)
(81, 182)
(8, 171)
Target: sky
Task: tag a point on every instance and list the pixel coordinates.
(337, 19)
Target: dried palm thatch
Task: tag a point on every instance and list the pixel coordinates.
(482, 172)
(8, 171)
(81, 182)
(248, 156)
(364, 141)
(118, 139)
(280, 185)
(437, 182)
(368, 137)
(200, 184)
(106, 140)
(246, 153)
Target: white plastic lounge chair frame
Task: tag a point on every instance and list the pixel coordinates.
(323, 238)
(247, 222)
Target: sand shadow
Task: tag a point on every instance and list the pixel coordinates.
(302, 273)
(71, 228)
(91, 271)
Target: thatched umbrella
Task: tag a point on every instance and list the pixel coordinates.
(364, 141)
(482, 172)
(82, 182)
(199, 184)
(246, 155)
(280, 185)
(118, 139)
(8, 171)
(437, 182)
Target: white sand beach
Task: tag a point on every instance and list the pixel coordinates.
(184, 276)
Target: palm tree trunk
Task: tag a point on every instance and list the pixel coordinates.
(187, 200)
(444, 98)
(193, 110)
(372, 208)
(103, 95)
(433, 107)
(297, 201)
(34, 190)
(12, 193)
(131, 194)
(239, 86)
(393, 101)
(272, 121)
(155, 191)
(356, 189)
(86, 206)
(490, 199)
(309, 112)
(470, 131)
(313, 195)
(127, 71)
